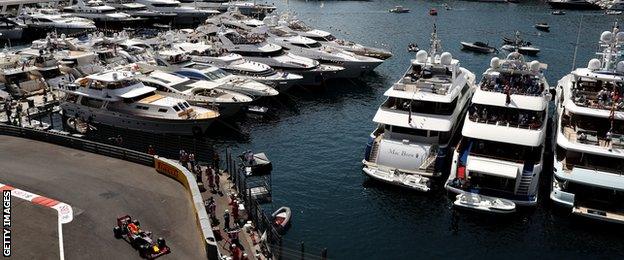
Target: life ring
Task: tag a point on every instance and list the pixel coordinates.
(197, 131)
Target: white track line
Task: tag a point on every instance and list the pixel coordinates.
(64, 211)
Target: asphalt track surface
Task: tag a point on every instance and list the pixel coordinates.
(99, 189)
(34, 230)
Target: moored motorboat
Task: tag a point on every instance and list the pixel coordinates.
(399, 10)
(542, 27)
(479, 47)
(281, 219)
(483, 203)
(526, 50)
(558, 12)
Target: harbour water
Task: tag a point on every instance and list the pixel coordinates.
(317, 142)
(316, 139)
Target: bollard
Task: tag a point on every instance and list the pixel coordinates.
(324, 254)
(302, 250)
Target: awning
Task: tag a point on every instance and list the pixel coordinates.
(594, 178)
(492, 168)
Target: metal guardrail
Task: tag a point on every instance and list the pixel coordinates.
(78, 143)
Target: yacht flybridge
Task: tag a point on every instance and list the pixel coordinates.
(501, 152)
(418, 120)
(118, 99)
(589, 155)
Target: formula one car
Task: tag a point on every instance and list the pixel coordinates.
(130, 230)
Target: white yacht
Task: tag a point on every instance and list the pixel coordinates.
(255, 47)
(500, 154)
(17, 77)
(248, 8)
(140, 10)
(418, 120)
(301, 28)
(101, 14)
(51, 20)
(354, 65)
(118, 99)
(589, 134)
(228, 81)
(241, 67)
(198, 92)
(185, 14)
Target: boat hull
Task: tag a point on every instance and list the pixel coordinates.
(138, 123)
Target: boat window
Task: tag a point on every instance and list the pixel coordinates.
(182, 86)
(186, 104)
(165, 4)
(409, 131)
(176, 108)
(512, 117)
(504, 151)
(142, 107)
(162, 110)
(276, 53)
(465, 89)
(421, 106)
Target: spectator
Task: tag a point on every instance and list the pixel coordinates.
(215, 161)
(217, 179)
(150, 150)
(226, 219)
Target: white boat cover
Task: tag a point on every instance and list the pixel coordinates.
(492, 168)
(407, 156)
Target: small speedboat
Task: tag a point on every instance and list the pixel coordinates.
(542, 27)
(399, 10)
(433, 12)
(479, 47)
(413, 47)
(526, 50)
(281, 219)
(613, 12)
(484, 203)
(558, 12)
(256, 164)
(257, 109)
(447, 7)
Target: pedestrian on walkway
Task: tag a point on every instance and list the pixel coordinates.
(215, 161)
(235, 212)
(217, 179)
(181, 156)
(185, 159)
(150, 150)
(192, 160)
(210, 178)
(226, 219)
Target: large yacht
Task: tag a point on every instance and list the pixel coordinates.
(248, 8)
(185, 14)
(573, 4)
(140, 10)
(51, 20)
(589, 155)
(500, 155)
(118, 99)
(101, 14)
(198, 92)
(418, 120)
(354, 65)
(255, 47)
(301, 28)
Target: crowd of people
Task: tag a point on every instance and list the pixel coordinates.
(231, 215)
(599, 95)
(511, 84)
(505, 116)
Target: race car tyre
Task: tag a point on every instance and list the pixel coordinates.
(144, 250)
(117, 232)
(161, 242)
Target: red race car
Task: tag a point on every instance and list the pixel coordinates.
(130, 230)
